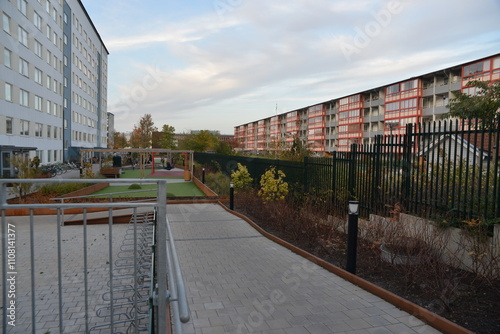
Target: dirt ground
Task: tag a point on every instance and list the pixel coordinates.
(469, 302)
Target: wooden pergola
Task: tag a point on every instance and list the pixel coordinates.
(144, 154)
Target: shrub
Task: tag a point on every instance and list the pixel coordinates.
(241, 178)
(58, 189)
(134, 186)
(218, 182)
(272, 185)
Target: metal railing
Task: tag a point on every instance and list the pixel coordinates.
(90, 278)
(446, 171)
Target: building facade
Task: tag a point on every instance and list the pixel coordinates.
(336, 124)
(53, 81)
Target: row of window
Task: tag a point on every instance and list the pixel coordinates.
(48, 156)
(83, 136)
(22, 127)
(31, 72)
(30, 100)
(84, 120)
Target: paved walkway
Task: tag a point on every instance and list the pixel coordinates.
(241, 282)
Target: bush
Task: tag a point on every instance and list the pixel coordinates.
(218, 182)
(58, 189)
(241, 178)
(272, 185)
(134, 186)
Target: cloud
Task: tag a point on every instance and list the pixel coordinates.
(262, 51)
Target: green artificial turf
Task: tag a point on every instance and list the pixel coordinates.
(181, 189)
(135, 174)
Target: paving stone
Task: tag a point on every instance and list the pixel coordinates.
(258, 281)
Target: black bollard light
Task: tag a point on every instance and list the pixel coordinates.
(231, 196)
(203, 175)
(352, 236)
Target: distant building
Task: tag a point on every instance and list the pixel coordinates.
(357, 118)
(53, 78)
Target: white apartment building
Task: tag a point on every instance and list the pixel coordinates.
(53, 81)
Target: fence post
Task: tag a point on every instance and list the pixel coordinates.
(406, 168)
(377, 168)
(334, 174)
(352, 171)
(305, 167)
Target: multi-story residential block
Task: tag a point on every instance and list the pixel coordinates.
(53, 81)
(357, 118)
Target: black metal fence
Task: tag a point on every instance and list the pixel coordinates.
(445, 170)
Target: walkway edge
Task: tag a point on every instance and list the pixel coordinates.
(438, 322)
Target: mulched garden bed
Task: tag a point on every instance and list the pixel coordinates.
(470, 302)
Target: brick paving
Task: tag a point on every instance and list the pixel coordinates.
(46, 274)
(241, 282)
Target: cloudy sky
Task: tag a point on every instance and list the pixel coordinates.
(216, 64)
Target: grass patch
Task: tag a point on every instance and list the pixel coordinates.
(181, 189)
(136, 174)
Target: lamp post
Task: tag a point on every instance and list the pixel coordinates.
(231, 196)
(352, 237)
(203, 175)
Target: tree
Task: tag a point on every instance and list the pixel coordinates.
(297, 152)
(167, 137)
(143, 134)
(482, 103)
(119, 140)
(200, 142)
(223, 148)
(135, 138)
(24, 171)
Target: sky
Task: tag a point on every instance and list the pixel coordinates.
(217, 64)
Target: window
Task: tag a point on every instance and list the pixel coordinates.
(37, 20)
(49, 104)
(65, 18)
(65, 39)
(22, 5)
(48, 82)
(393, 89)
(49, 32)
(6, 23)
(38, 76)
(47, 6)
(38, 48)
(24, 98)
(25, 128)
(7, 58)
(23, 67)
(38, 129)
(8, 92)
(8, 125)
(22, 36)
(38, 103)
(49, 131)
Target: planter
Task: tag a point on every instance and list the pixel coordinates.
(395, 256)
